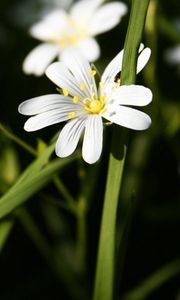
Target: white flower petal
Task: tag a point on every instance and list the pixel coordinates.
(55, 16)
(44, 103)
(106, 17)
(83, 10)
(132, 95)
(80, 68)
(54, 116)
(113, 68)
(90, 49)
(93, 139)
(60, 75)
(143, 59)
(69, 137)
(39, 58)
(51, 26)
(141, 47)
(127, 117)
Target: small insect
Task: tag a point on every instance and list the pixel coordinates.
(117, 80)
(117, 77)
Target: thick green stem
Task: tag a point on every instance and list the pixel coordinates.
(106, 252)
(104, 280)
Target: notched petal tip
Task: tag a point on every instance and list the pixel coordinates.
(28, 70)
(39, 58)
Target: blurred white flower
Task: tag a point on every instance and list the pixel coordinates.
(25, 13)
(57, 3)
(58, 31)
(172, 55)
(83, 103)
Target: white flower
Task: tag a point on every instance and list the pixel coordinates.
(84, 104)
(58, 31)
(28, 12)
(172, 55)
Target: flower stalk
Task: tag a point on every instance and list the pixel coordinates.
(17, 140)
(105, 269)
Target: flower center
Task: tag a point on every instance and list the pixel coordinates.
(72, 35)
(95, 106)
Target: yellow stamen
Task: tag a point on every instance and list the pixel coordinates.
(62, 43)
(65, 92)
(102, 98)
(72, 115)
(103, 110)
(82, 87)
(75, 99)
(92, 73)
(108, 123)
(72, 37)
(95, 106)
(102, 84)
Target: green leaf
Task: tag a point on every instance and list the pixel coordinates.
(37, 175)
(38, 163)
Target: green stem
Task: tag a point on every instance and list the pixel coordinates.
(106, 252)
(151, 38)
(17, 140)
(65, 193)
(153, 282)
(81, 229)
(150, 73)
